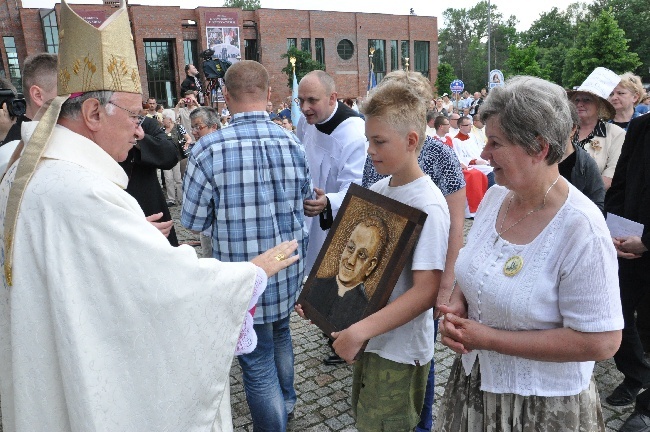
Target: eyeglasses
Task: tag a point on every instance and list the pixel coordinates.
(139, 118)
(198, 127)
(465, 125)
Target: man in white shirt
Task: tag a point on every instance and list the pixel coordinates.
(335, 143)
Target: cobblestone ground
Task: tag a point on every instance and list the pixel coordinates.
(324, 391)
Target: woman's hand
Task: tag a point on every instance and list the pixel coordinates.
(277, 258)
(464, 335)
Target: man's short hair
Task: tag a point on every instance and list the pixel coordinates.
(431, 114)
(325, 80)
(401, 100)
(463, 118)
(208, 115)
(40, 70)
(439, 121)
(72, 107)
(187, 68)
(188, 92)
(246, 80)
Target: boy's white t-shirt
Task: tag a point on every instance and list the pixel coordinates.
(413, 343)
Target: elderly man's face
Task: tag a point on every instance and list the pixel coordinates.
(359, 258)
(118, 132)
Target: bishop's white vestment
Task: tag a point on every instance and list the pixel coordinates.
(107, 327)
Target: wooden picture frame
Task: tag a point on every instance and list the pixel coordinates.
(368, 226)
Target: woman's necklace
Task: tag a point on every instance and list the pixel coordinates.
(501, 230)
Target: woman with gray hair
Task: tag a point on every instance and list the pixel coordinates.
(536, 301)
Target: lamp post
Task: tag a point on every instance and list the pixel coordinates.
(406, 64)
(489, 44)
(292, 60)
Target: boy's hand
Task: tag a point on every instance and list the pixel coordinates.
(347, 344)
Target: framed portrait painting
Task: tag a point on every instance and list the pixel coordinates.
(363, 256)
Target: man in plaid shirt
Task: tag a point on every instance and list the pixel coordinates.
(248, 182)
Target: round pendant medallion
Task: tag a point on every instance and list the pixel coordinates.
(513, 265)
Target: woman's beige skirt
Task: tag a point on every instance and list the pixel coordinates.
(465, 408)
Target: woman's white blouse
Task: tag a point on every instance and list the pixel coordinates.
(569, 279)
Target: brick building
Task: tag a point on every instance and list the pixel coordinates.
(168, 37)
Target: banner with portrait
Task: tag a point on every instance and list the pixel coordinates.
(223, 36)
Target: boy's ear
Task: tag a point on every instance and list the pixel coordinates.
(413, 139)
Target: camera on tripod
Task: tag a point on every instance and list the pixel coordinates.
(213, 68)
(16, 105)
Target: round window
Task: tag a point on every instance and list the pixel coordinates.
(345, 49)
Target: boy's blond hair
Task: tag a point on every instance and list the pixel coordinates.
(402, 99)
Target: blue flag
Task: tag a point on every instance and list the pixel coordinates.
(295, 109)
(372, 80)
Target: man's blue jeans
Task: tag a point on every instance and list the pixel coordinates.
(268, 377)
(426, 420)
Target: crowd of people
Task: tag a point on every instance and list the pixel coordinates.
(124, 329)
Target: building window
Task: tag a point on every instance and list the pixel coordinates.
(12, 59)
(394, 56)
(305, 45)
(50, 31)
(405, 54)
(378, 58)
(250, 49)
(421, 63)
(189, 51)
(159, 58)
(319, 46)
(291, 42)
(345, 48)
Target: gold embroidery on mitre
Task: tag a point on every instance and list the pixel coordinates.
(97, 58)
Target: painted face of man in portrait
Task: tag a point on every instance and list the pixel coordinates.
(359, 258)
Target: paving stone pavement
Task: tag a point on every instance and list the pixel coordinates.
(324, 391)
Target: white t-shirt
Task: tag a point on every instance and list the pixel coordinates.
(413, 343)
(569, 278)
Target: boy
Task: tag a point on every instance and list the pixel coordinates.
(390, 378)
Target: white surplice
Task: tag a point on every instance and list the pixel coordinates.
(468, 150)
(335, 161)
(107, 327)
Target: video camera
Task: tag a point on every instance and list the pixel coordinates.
(213, 68)
(16, 104)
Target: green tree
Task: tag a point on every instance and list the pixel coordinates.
(304, 64)
(463, 42)
(445, 76)
(633, 16)
(242, 4)
(523, 61)
(604, 45)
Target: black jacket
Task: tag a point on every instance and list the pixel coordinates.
(629, 195)
(154, 151)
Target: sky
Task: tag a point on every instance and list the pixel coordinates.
(525, 14)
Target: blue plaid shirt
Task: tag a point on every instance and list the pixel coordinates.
(248, 181)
